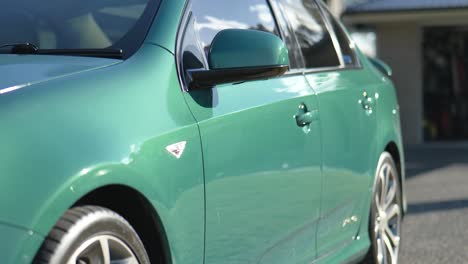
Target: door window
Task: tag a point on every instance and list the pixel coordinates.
(209, 17)
(295, 56)
(312, 34)
(347, 46)
(212, 16)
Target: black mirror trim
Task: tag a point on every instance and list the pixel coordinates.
(207, 79)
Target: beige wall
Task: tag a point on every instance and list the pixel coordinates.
(400, 46)
(336, 7)
(399, 43)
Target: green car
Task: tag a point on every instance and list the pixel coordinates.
(194, 132)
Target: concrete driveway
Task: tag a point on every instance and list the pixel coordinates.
(436, 228)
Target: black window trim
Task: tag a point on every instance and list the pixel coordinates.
(334, 38)
(276, 9)
(185, 18)
(358, 64)
(329, 26)
(306, 70)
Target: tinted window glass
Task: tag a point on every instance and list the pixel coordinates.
(192, 55)
(213, 16)
(295, 56)
(347, 47)
(77, 24)
(311, 32)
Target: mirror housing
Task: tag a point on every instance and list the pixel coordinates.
(238, 55)
(381, 66)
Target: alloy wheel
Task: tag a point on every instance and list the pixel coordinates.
(103, 249)
(388, 215)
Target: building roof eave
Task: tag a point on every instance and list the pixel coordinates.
(444, 15)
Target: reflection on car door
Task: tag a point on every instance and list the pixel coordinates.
(262, 170)
(347, 120)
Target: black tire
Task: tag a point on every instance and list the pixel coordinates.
(372, 256)
(81, 224)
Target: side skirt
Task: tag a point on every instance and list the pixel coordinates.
(352, 252)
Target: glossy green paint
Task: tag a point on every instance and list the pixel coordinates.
(389, 126)
(73, 125)
(262, 171)
(235, 48)
(349, 147)
(386, 132)
(65, 137)
(18, 238)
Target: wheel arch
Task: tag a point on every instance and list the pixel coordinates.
(392, 148)
(138, 211)
(397, 155)
(109, 186)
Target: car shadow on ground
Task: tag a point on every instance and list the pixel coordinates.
(437, 194)
(426, 158)
(420, 208)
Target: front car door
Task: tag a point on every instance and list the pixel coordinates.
(347, 119)
(262, 169)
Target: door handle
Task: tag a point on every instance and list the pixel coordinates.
(304, 117)
(368, 102)
(307, 118)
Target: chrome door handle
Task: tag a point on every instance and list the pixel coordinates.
(367, 102)
(304, 117)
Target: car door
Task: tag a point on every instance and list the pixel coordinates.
(347, 119)
(262, 168)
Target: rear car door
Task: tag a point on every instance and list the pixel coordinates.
(347, 119)
(262, 169)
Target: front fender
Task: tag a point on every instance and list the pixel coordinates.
(66, 137)
(90, 179)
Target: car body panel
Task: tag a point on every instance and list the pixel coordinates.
(388, 131)
(254, 154)
(350, 253)
(348, 149)
(57, 147)
(18, 71)
(20, 244)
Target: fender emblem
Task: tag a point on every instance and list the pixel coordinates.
(177, 149)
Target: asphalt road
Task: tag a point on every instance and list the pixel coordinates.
(436, 228)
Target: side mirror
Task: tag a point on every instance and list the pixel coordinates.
(381, 66)
(238, 55)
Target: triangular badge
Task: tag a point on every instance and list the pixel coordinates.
(177, 149)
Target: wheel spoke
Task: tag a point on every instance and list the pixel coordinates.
(391, 192)
(393, 233)
(393, 211)
(390, 249)
(394, 239)
(380, 250)
(376, 227)
(383, 189)
(384, 249)
(377, 201)
(105, 250)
